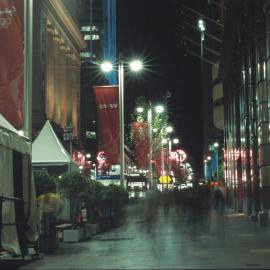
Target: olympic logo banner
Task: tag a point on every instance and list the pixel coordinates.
(11, 61)
(108, 122)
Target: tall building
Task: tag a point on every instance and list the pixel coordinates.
(244, 71)
(57, 43)
(97, 25)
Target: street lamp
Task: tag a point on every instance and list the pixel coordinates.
(216, 145)
(68, 137)
(209, 165)
(135, 65)
(168, 130)
(158, 109)
(202, 27)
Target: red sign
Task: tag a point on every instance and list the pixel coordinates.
(108, 122)
(11, 61)
(141, 143)
(182, 155)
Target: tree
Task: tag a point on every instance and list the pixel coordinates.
(159, 123)
(44, 183)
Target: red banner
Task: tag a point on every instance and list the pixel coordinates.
(11, 61)
(141, 143)
(108, 122)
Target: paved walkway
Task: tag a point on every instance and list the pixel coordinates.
(168, 240)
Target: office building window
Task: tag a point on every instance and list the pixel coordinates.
(91, 37)
(88, 28)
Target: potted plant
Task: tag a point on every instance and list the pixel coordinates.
(50, 205)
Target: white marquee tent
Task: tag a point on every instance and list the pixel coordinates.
(16, 181)
(47, 150)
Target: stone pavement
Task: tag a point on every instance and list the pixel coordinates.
(168, 240)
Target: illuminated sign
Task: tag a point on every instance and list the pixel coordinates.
(165, 179)
(179, 156)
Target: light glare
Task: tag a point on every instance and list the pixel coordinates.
(160, 109)
(136, 65)
(139, 109)
(106, 66)
(169, 129)
(216, 144)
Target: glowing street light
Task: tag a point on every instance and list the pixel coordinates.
(159, 109)
(201, 25)
(140, 109)
(107, 66)
(169, 129)
(164, 141)
(216, 145)
(135, 65)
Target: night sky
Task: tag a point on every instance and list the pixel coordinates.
(148, 29)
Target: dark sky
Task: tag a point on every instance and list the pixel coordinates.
(148, 29)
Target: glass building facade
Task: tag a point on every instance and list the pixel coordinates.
(245, 70)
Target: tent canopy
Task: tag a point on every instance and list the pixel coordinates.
(15, 151)
(47, 148)
(10, 138)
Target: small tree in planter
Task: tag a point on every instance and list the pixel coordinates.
(119, 197)
(75, 187)
(44, 183)
(50, 205)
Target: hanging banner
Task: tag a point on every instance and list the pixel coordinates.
(108, 122)
(140, 130)
(11, 61)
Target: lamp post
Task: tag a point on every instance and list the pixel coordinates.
(205, 168)
(158, 109)
(149, 120)
(28, 66)
(68, 137)
(168, 130)
(201, 25)
(121, 119)
(209, 166)
(135, 66)
(216, 145)
(163, 141)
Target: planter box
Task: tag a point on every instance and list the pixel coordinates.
(91, 229)
(48, 244)
(74, 235)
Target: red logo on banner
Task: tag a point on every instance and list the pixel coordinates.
(141, 143)
(11, 61)
(108, 122)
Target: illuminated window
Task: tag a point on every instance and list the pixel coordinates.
(95, 37)
(85, 54)
(91, 37)
(88, 28)
(87, 37)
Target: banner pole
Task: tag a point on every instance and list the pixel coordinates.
(28, 69)
(121, 120)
